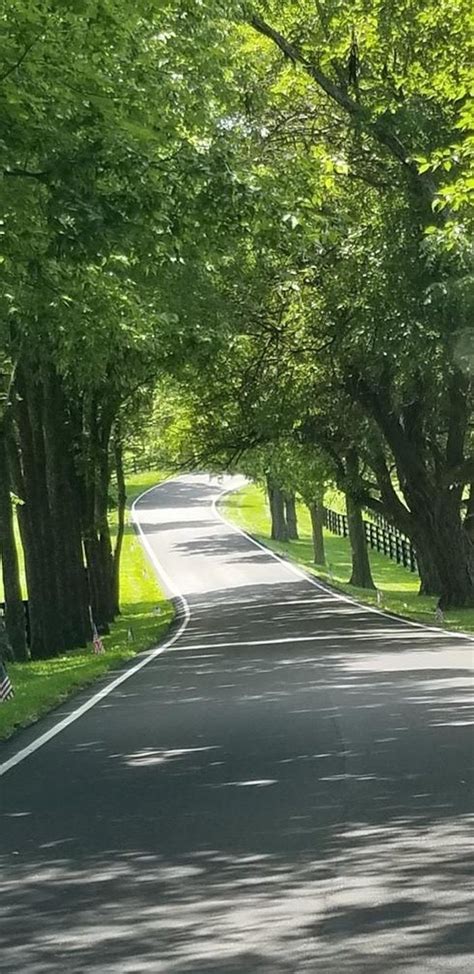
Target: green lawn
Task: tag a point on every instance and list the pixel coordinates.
(248, 509)
(42, 684)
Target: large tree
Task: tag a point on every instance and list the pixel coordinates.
(110, 144)
(377, 98)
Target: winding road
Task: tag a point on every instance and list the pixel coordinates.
(287, 787)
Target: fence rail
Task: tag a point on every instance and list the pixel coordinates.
(139, 464)
(387, 540)
(386, 525)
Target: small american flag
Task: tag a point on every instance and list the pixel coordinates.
(97, 644)
(6, 688)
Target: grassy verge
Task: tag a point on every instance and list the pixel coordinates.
(248, 509)
(42, 684)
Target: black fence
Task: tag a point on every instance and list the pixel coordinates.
(140, 464)
(386, 525)
(380, 537)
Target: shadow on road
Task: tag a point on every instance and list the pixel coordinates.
(287, 790)
(390, 896)
(248, 836)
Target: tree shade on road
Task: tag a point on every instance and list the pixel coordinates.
(289, 785)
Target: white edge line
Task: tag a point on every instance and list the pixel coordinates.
(338, 597)
(76, 714)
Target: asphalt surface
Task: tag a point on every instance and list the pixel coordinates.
(288, 788)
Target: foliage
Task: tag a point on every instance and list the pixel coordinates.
(352, 311)
(246, 226)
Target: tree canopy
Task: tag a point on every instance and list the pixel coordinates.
(250, 226)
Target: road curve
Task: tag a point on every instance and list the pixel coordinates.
(286, 789)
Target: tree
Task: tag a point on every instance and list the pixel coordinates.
(111, 151)
(394, 111)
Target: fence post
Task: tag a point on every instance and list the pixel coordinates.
(397, 550)
(404, 553)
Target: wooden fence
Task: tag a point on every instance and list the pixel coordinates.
(380, 537)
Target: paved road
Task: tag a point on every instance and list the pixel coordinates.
(285, 790)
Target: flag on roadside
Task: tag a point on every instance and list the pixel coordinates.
(97, 644)
(6, 688)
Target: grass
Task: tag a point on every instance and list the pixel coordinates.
(43, 684)
(399, 587)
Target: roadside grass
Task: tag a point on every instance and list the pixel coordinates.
(41, 685)
(248, 509)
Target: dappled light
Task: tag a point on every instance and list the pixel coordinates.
(361, 897)
(292, 780)
(152, 757)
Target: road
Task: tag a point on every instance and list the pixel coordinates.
(287, 788)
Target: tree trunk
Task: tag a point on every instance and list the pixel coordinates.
(30, 551)
(38, 534)
(433, 505)
(99, 583)
(444, 548)
(6, 652)
(96, 532)
(65, 516)
(291, 516)
(103, 527)
(453, 555)
(398, 514)
(361, 576)
(279, 531)
(121, 503)
(14, 609)
(430, 583)
(433, 513)
(316, 510)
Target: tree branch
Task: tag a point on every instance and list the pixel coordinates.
(463, 473)
(26, 173)
(391, 503)
(458, 417)
(376, 128)
(20, 60)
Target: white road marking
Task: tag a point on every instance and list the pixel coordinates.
(94, 700)
(334, 635)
